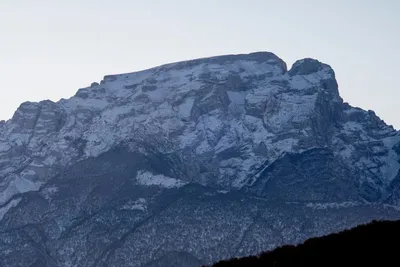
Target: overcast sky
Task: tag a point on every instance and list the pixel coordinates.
(51, 48)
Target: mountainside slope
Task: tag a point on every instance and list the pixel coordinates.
(203, 159)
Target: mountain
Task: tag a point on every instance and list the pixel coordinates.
(363, 245)
(189, 163)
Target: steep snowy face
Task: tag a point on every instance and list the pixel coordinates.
(222, 119)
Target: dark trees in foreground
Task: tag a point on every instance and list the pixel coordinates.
(373, 244)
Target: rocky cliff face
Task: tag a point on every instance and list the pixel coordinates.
(203, 159)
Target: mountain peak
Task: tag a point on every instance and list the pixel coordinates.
(190, 144)
(312, 69)
(309, 66)
(259, 57)
(266, 58)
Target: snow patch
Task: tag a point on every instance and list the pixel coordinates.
(18, 185)
(392, 167)
(27, 172)
(227, 141)
(291, 109)
(139, 204)
(19, 138)
(113, 114)
(13, 203)
(186, 108)
(4, 147)
(75, 103)
(352, 126)
(204, 147)
(285, 145)
(148, 179)
(351, 110)
(50, 160)
(237, 98)
(346, 152)
(34, 164)
(333, 205)
(188, 138)
(298, 82)
(49, 191)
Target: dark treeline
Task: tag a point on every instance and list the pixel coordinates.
(373, 244)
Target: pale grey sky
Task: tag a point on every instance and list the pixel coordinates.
(51, 48)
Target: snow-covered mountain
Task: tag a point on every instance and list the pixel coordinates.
(191, 162)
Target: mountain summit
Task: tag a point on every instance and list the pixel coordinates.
(192, 162)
